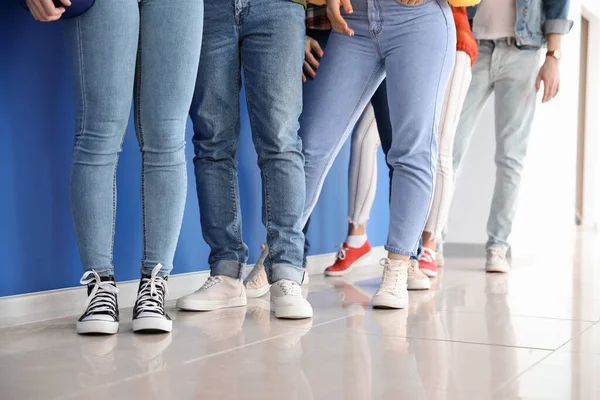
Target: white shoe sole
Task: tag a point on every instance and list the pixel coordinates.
(389, 303)
(346, 271)
(496, 269)
(292, 312)
(102, 327)
(205, 305)
(419, 284)
(255, 293)
(149, 324)
(429, 273)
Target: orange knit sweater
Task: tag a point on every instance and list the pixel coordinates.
(465, 41)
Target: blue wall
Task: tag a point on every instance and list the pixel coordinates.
(37, 243)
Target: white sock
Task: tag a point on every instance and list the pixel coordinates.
(356, 241)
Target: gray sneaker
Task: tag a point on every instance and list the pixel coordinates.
(496, 261)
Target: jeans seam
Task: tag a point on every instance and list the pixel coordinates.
(232, 177)
(140, 134)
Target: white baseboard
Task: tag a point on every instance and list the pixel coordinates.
(51, 304)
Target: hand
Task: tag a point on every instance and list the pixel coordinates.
(45, 10)
(311, 64)
(411, 2)
(338, 23)
(549, 74)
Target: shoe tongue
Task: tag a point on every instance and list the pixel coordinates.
(102, 279)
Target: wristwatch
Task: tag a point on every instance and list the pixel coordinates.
(554, 53)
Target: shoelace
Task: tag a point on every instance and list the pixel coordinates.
(496, 255)
(413, 267)
(211, 281)
(152, 293)
(393, 278)
(101, 298)
(289, 288)
(341, 255)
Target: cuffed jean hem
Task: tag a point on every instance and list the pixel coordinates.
(278, 272)
(232, 269)
(356, 222)
(398, 251)
(103, 271)
(496, 246)
(164, 271)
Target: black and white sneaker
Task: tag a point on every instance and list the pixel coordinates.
(101, 313)
(149, 313)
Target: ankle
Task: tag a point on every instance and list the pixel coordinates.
(356, 241)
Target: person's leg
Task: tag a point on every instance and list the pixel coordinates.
(321, 36)
(272, 53)
(256, 282)
(362, 173)
(478, 94)
(337, 99)
(514, 109)
(405, 32)
(442, 197)
(215, 113)
(167, 65)
(362, 184)
(102, 47)
(384, 127)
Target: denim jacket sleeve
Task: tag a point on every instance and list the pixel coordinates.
(557, 12)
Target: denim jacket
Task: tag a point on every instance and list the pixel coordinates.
(536, 19)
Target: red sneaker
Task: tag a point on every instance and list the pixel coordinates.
(346, 258)
(427, 263)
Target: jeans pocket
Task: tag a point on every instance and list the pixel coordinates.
(413, 6)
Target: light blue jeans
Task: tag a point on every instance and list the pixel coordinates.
(501, 68)
(415, 47)
(121, 50)
(265, 39)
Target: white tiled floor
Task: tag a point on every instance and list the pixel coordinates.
(531, 334)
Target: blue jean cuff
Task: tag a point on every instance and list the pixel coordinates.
(165, 271)
(103, 271)
(278, 272)
(230, 268)
(401, 252)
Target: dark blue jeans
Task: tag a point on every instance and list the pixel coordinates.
(265, 40)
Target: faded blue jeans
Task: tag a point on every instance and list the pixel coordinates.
(121, 50)
(501, 68)
(265, 40)
(414, 46)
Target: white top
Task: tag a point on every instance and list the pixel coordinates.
(495, 19)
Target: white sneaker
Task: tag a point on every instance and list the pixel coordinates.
(393, 290)
(217, 292)
(257, 283)
(496, 261)
(417, 280)
(287, 301)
